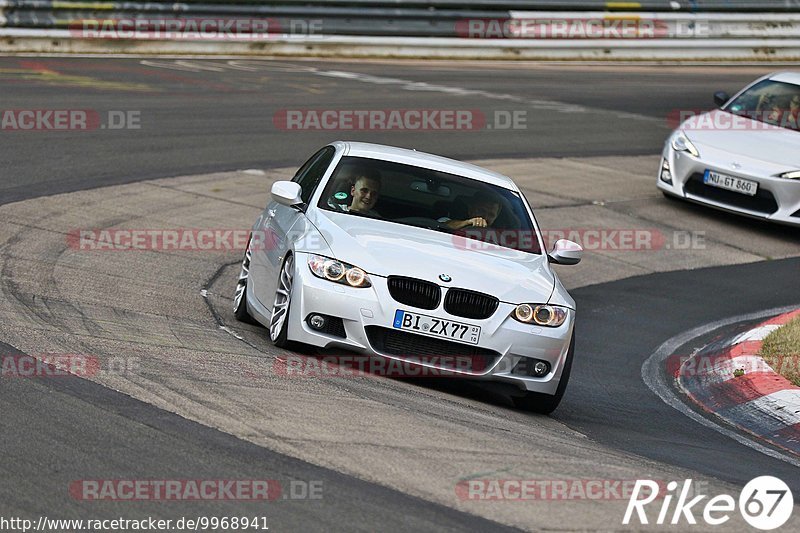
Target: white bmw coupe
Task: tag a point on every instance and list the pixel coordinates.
(398, 254)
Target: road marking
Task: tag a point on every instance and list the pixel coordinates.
(757, 334)
(623, 5)
(226, 329)
(404, 84)
(38, 72)
(83, 5)
(655, 379)
(306, 88)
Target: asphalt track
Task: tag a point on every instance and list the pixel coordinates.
(205, 116)
(207, 120)
(59, 430)
(613, 405)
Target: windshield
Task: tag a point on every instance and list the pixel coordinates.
(770, 102)
(424, 198)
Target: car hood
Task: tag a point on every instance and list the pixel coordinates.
(386, 249)
(744, 137)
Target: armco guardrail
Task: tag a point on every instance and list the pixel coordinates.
(382, 18)
(409, 16)
(255, 6)
(694, 29)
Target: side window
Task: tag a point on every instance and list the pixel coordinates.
(312, 171)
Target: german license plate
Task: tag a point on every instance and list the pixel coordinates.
(730, 183)
(436, 327)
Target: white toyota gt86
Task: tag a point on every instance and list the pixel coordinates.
(403, 255)
(743, 157)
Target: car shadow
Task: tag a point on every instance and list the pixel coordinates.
(764, 227)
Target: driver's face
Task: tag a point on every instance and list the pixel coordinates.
(365, 194)
(486, 210)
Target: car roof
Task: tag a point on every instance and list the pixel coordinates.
(786, 77)
(425, 160)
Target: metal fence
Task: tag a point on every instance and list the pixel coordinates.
(250, 6)
(406, 18)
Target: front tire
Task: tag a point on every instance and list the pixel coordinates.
(545, 404)
(279, 321)
(240, 296)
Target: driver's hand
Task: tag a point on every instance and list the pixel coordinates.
(478, 222)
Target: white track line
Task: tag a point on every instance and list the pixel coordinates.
(757, 334)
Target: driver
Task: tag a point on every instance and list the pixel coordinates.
(482, 210)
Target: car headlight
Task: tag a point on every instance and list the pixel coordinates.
(681, 143)
(550, 316)
(338, 272)
(794, 175)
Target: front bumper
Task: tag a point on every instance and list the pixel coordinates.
(364, 310)
(776, 200)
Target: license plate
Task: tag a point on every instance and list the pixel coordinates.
(436, 327)
(730, 183)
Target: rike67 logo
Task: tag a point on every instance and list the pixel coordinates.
(765, 503)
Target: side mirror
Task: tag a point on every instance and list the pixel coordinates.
(721, 98)
(565, 253)
(287, 193)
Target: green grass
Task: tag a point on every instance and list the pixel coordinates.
(781, 349)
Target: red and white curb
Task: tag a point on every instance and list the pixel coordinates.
(732, 382)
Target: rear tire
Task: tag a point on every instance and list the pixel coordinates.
(545, 404)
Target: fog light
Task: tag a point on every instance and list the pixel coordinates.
(540, 368)
(666, 175)
(316, 321)
(532, 367)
